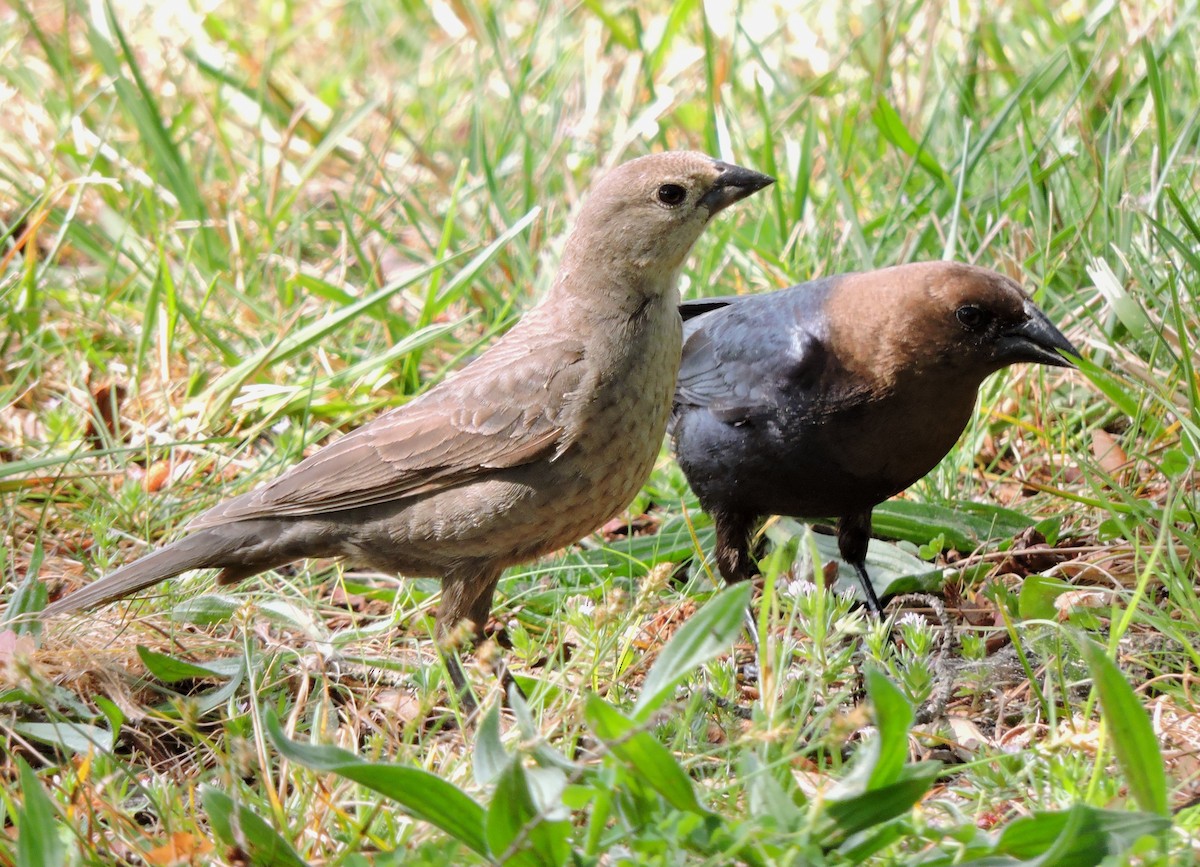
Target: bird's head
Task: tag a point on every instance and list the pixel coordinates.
(938, 321)
(984, 319)
(644, 216)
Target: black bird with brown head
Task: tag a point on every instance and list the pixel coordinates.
(824, 399)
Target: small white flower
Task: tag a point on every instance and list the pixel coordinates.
(796, 588)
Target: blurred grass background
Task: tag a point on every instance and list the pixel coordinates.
(229, 231)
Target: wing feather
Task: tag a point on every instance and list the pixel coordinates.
(741, 354)
(503, 410)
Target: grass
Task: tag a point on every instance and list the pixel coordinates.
(226, 235)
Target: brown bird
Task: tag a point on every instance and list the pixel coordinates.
(825, 399)
(536, 443)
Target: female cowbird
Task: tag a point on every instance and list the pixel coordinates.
(533, 445)
(825, 399)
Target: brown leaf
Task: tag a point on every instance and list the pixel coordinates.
(1029, 554)
(181, 848)
(966, 735)
(1108, 452)
(13, 646)
(1075, 600)
(107, 399)
(622, 527)
(157, 476)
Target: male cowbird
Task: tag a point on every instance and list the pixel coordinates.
(537, 442)
(825, 399)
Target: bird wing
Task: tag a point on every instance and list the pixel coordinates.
(694, 307)
(743, 352)
(503, 410)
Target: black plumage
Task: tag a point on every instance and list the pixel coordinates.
(824, 399)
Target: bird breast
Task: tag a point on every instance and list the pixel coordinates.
(643, 349)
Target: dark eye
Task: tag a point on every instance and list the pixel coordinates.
(671, 195)
(971, 317)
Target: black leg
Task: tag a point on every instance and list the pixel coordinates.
(733, 545)
(853, 534)
(458, 677)
(508, 682)
(868, 589)
(733, 559)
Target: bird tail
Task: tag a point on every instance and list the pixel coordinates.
(203, 549)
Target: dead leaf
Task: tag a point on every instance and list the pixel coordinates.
(157, 476)
(181, 848)
(1075, 600)
(967, 735)
(1108, 452)
(12, 648)
(107, 399)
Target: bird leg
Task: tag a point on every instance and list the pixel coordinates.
(733, 545)
(733, 559)
(853, 534)
(466, 597)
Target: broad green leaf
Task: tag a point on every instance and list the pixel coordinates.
(112, 712)
(206, 610)
(545, 755)
(38, 824)
(876, 806)
(965, 525)
(637, 554)
(517, 831)
(1081, 836)
(892, 569)
(71, 736)
(1036, 600)
(1132, 735)
(215, 698)
(239, 826)
(645, 757)
(708, 632)
(417, 792)
(491, 759)
(890, 125)
(1127, 309)
(169, 669)
(880, 761)
(21, 613)
(857, 848)
(232, 670)
(766, 797)
(893, 719)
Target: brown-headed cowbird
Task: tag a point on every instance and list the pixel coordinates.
(825, 399)
(536, 443)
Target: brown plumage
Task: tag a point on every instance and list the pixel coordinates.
(823, 400)
(533, 445)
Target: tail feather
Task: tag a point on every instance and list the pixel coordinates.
(213, 548)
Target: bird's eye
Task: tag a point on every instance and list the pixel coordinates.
(971, 317)
(671, 195)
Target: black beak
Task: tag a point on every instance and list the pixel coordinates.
(1035, 340)
(732, 185)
